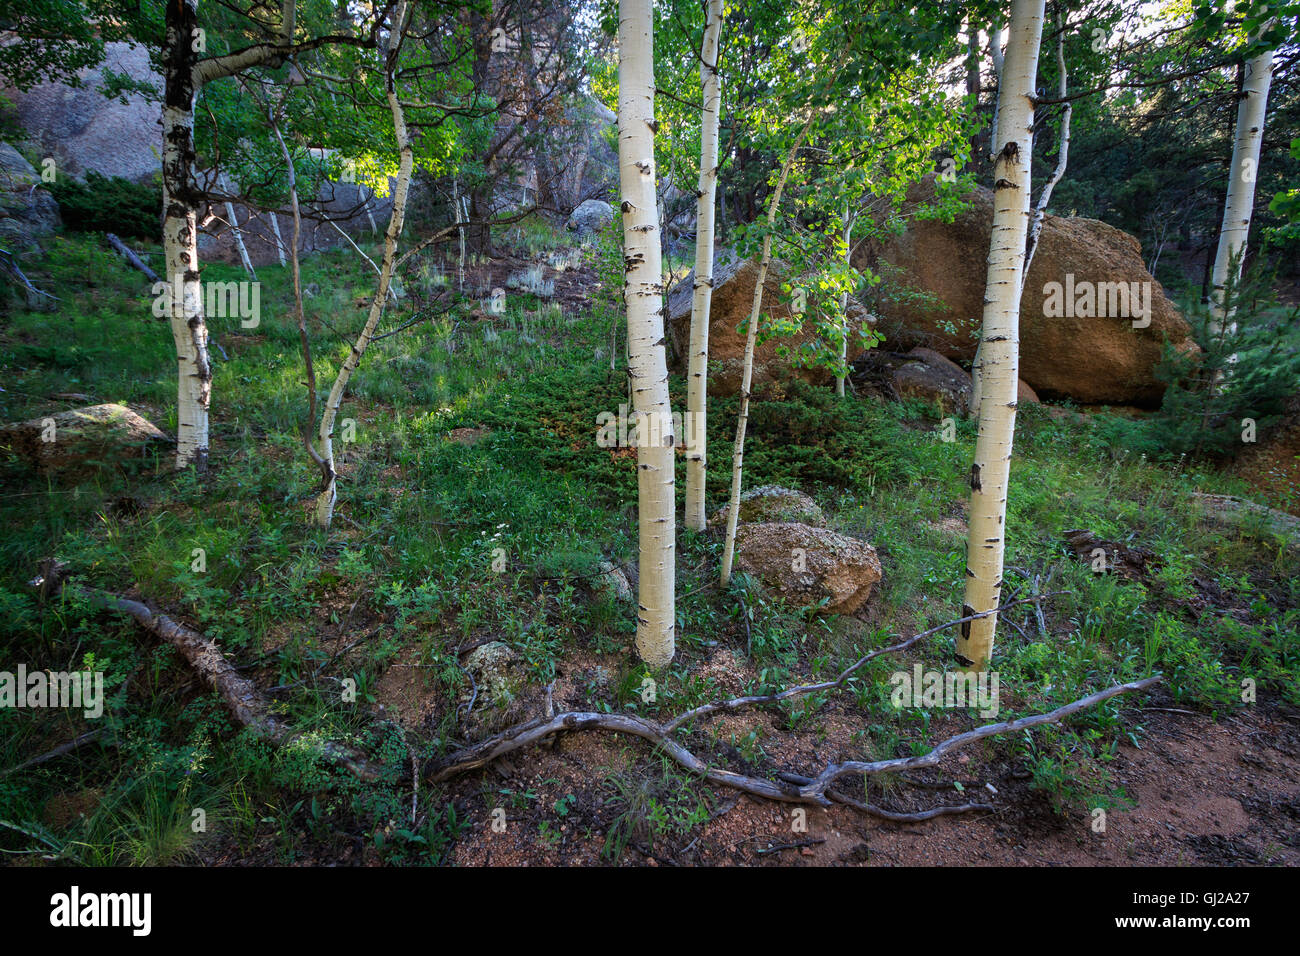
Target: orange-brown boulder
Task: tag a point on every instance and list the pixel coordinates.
(1067, 349)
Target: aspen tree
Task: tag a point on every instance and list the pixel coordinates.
(1063, 152)
(698, 362)
(236, 234)
(181, 198)
(747, 372)
(324, 509)
(850, 217)
(643, 294)
(185, 73)
(1240, 200)
(1000, 342)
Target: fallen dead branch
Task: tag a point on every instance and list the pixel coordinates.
(127, 253)
(240, 695)
(788, 788)
(75, 743)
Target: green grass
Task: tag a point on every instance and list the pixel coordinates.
(407, 571)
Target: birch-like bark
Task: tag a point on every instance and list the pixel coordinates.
(698, 364)
(279, 239)
(236, 233)
(844, 303)
(1040, 212)
(460, 230)
(370, 213)
(324, 511)
(647, 361)
(1240, 200)
(999, 59)
(181, 199)
(1000, 357)
(747, 371)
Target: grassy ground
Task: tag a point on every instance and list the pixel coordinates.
(475, 435)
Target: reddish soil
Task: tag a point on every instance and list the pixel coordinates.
(1203, 793)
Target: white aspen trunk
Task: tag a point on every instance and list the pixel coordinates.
(362, 253)
(180, 238)
(995, 51)
(1241, 182)
(844, 303)
(324, 511)
(236, 234)
(697, 380)
(647, 361)
(460, 229)
(370, 214)
(747, 370)
(1040, 212)
(1001, 337)
(279, 239)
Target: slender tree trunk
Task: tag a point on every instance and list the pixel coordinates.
(460, 229)
(698, 366)
(1063, 155)
(647, 360)
(844, 303)
(235, 232)
(973, 87)
(369, 203)
(1240, 200)
(181, 200)
(279, 239)
(304, 339)
(1001, 336)
(999, 59)
(324, 512)
(747, 372)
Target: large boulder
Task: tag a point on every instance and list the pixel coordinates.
(929, 376)
(773, 503)
(732, 301)
(593, 215)
(27, 211)
(1075, 354)
(921, 373)
(806, 565)
(82, 439)
(83, 129)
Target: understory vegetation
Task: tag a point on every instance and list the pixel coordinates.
(479, 507)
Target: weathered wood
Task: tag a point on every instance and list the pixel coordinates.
(131, 257)
(240, 695)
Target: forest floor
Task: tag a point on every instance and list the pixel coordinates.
(475, 431)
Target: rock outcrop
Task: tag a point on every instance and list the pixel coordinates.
(927, 375)
(923, 374)
(1080, 333)
(82, 129)
(27, 211)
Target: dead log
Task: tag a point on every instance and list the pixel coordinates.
(129, 255)
(240, 695)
